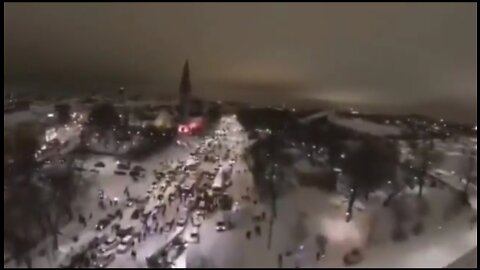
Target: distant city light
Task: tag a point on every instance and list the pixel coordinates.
(50, 115)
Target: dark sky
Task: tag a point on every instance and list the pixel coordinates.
(391, 56)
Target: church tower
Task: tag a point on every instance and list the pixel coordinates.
(185, 93)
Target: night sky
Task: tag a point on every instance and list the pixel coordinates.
(392, 57)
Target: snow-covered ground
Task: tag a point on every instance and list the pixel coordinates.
(306, 213)
(302, 215)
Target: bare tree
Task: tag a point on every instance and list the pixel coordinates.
(424, 156)
(63, 113)
(103, 117)
(368, 166)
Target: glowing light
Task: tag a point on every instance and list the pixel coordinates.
(183, 129)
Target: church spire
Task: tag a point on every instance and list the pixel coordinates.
(185, 86)
(185, 92)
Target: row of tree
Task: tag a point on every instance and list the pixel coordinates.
(368, 162)
(37, 201)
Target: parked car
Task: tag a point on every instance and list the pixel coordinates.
(196, 219)
(110, 244)
(120, 173)
(182, 220)
(101, 194)
(123, 165)
(123, 232)
(138, 168)
(104, 260)
(135, 214)
(125, 244)
(139, 174)
(99, 164)
(195, 235)
(102, 224)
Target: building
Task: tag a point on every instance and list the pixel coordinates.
(164, 119)
(185, 93)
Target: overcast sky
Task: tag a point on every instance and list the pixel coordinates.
(396, 56)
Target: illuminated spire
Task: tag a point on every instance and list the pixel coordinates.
(185, 92)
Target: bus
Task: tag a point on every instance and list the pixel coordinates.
(188, 184)
(222, 175)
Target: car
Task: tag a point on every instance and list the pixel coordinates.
(125, 244)
(195, 235)
(115, 227)
(123, 232)
(130, 203)
(99, 239)
(182, 220)
(136, 214)
(159, 206)
(144, 200)
(104, 260)
(94, 171)
(146, 214)
(101, 194)
(221, 226)
(110, 244)
(200, 213)
(123, 165)
(196, 219)
(120, 173)
(170, 223)
(161, 174)
(178, 249)
(163, 187)
(102, 224)
(139, 174)
(138, 168)
(191, 202)
(99, 164)
(171, 197)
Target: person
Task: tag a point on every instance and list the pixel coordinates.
(318, 256)
(258, 230)
(280, 260)
(134, 254)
